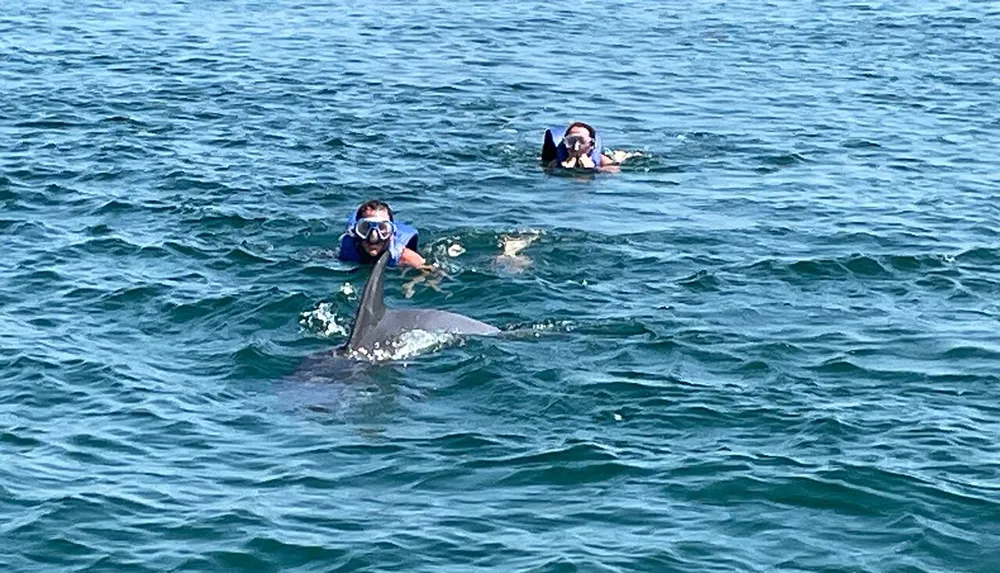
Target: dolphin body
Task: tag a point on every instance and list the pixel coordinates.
(374, 324)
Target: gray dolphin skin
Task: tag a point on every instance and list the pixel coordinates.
(376, 324)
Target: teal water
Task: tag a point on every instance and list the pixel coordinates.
(770, 344)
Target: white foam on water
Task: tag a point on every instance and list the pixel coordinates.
(324, 321)
(406, 345)
(348, 290)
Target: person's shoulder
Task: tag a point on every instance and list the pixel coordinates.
(348, 248)
(407, 228)
(411, 258)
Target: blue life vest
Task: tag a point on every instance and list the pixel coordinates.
(351, 251)
(555, 135)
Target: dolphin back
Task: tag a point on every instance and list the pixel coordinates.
(395, 322)
(375, 324)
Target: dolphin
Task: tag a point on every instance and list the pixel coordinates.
(374, 324)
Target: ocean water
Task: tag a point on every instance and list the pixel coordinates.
(769, 344)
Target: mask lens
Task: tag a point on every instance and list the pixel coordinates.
(373, 230)
(576, 141)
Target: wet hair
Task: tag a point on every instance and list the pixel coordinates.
(591, 130)
(373, 206)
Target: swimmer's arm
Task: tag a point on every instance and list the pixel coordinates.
(430, 275)
(609, 165)
(411, 258)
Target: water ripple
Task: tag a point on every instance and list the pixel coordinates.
(768, 344)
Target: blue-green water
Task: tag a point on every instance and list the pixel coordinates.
(770, 344)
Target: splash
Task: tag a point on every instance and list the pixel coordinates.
(324, 321)
(348, 291)
(406, 345)
(446, 248)
(511, 246)
(535, 330)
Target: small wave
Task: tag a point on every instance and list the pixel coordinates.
(118, 447)
(841, 366)
(914, 263)
(862, 265)
(14, 438)
(258, 361)
(215, 221)
(464, 442)
(244, 256)
(979, 255)
(273, 305)
(286, 554)
(324, 319)
(104, 246)
(771, 163)
(701, 281)
(576, 474)
(42, 279)
(572, 452)
(99, 230)
(852, 266)
(975, 352)
(859, 144)
(186, 250)
(54, 123)
(186, 312)
(122, 120)
(183, 181)
(132, 295)
(113, 207)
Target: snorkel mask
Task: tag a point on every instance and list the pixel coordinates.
(373, 230)
(578, 143)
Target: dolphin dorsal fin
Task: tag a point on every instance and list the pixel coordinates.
(371, 309)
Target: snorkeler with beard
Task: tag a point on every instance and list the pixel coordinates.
(372, 230)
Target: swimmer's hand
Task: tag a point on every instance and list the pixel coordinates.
(431, 275)
(620, 156)
(581, 162)
(585, 162)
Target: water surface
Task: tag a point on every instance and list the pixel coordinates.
(768, 345)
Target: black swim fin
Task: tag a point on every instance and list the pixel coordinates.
(549, 147)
